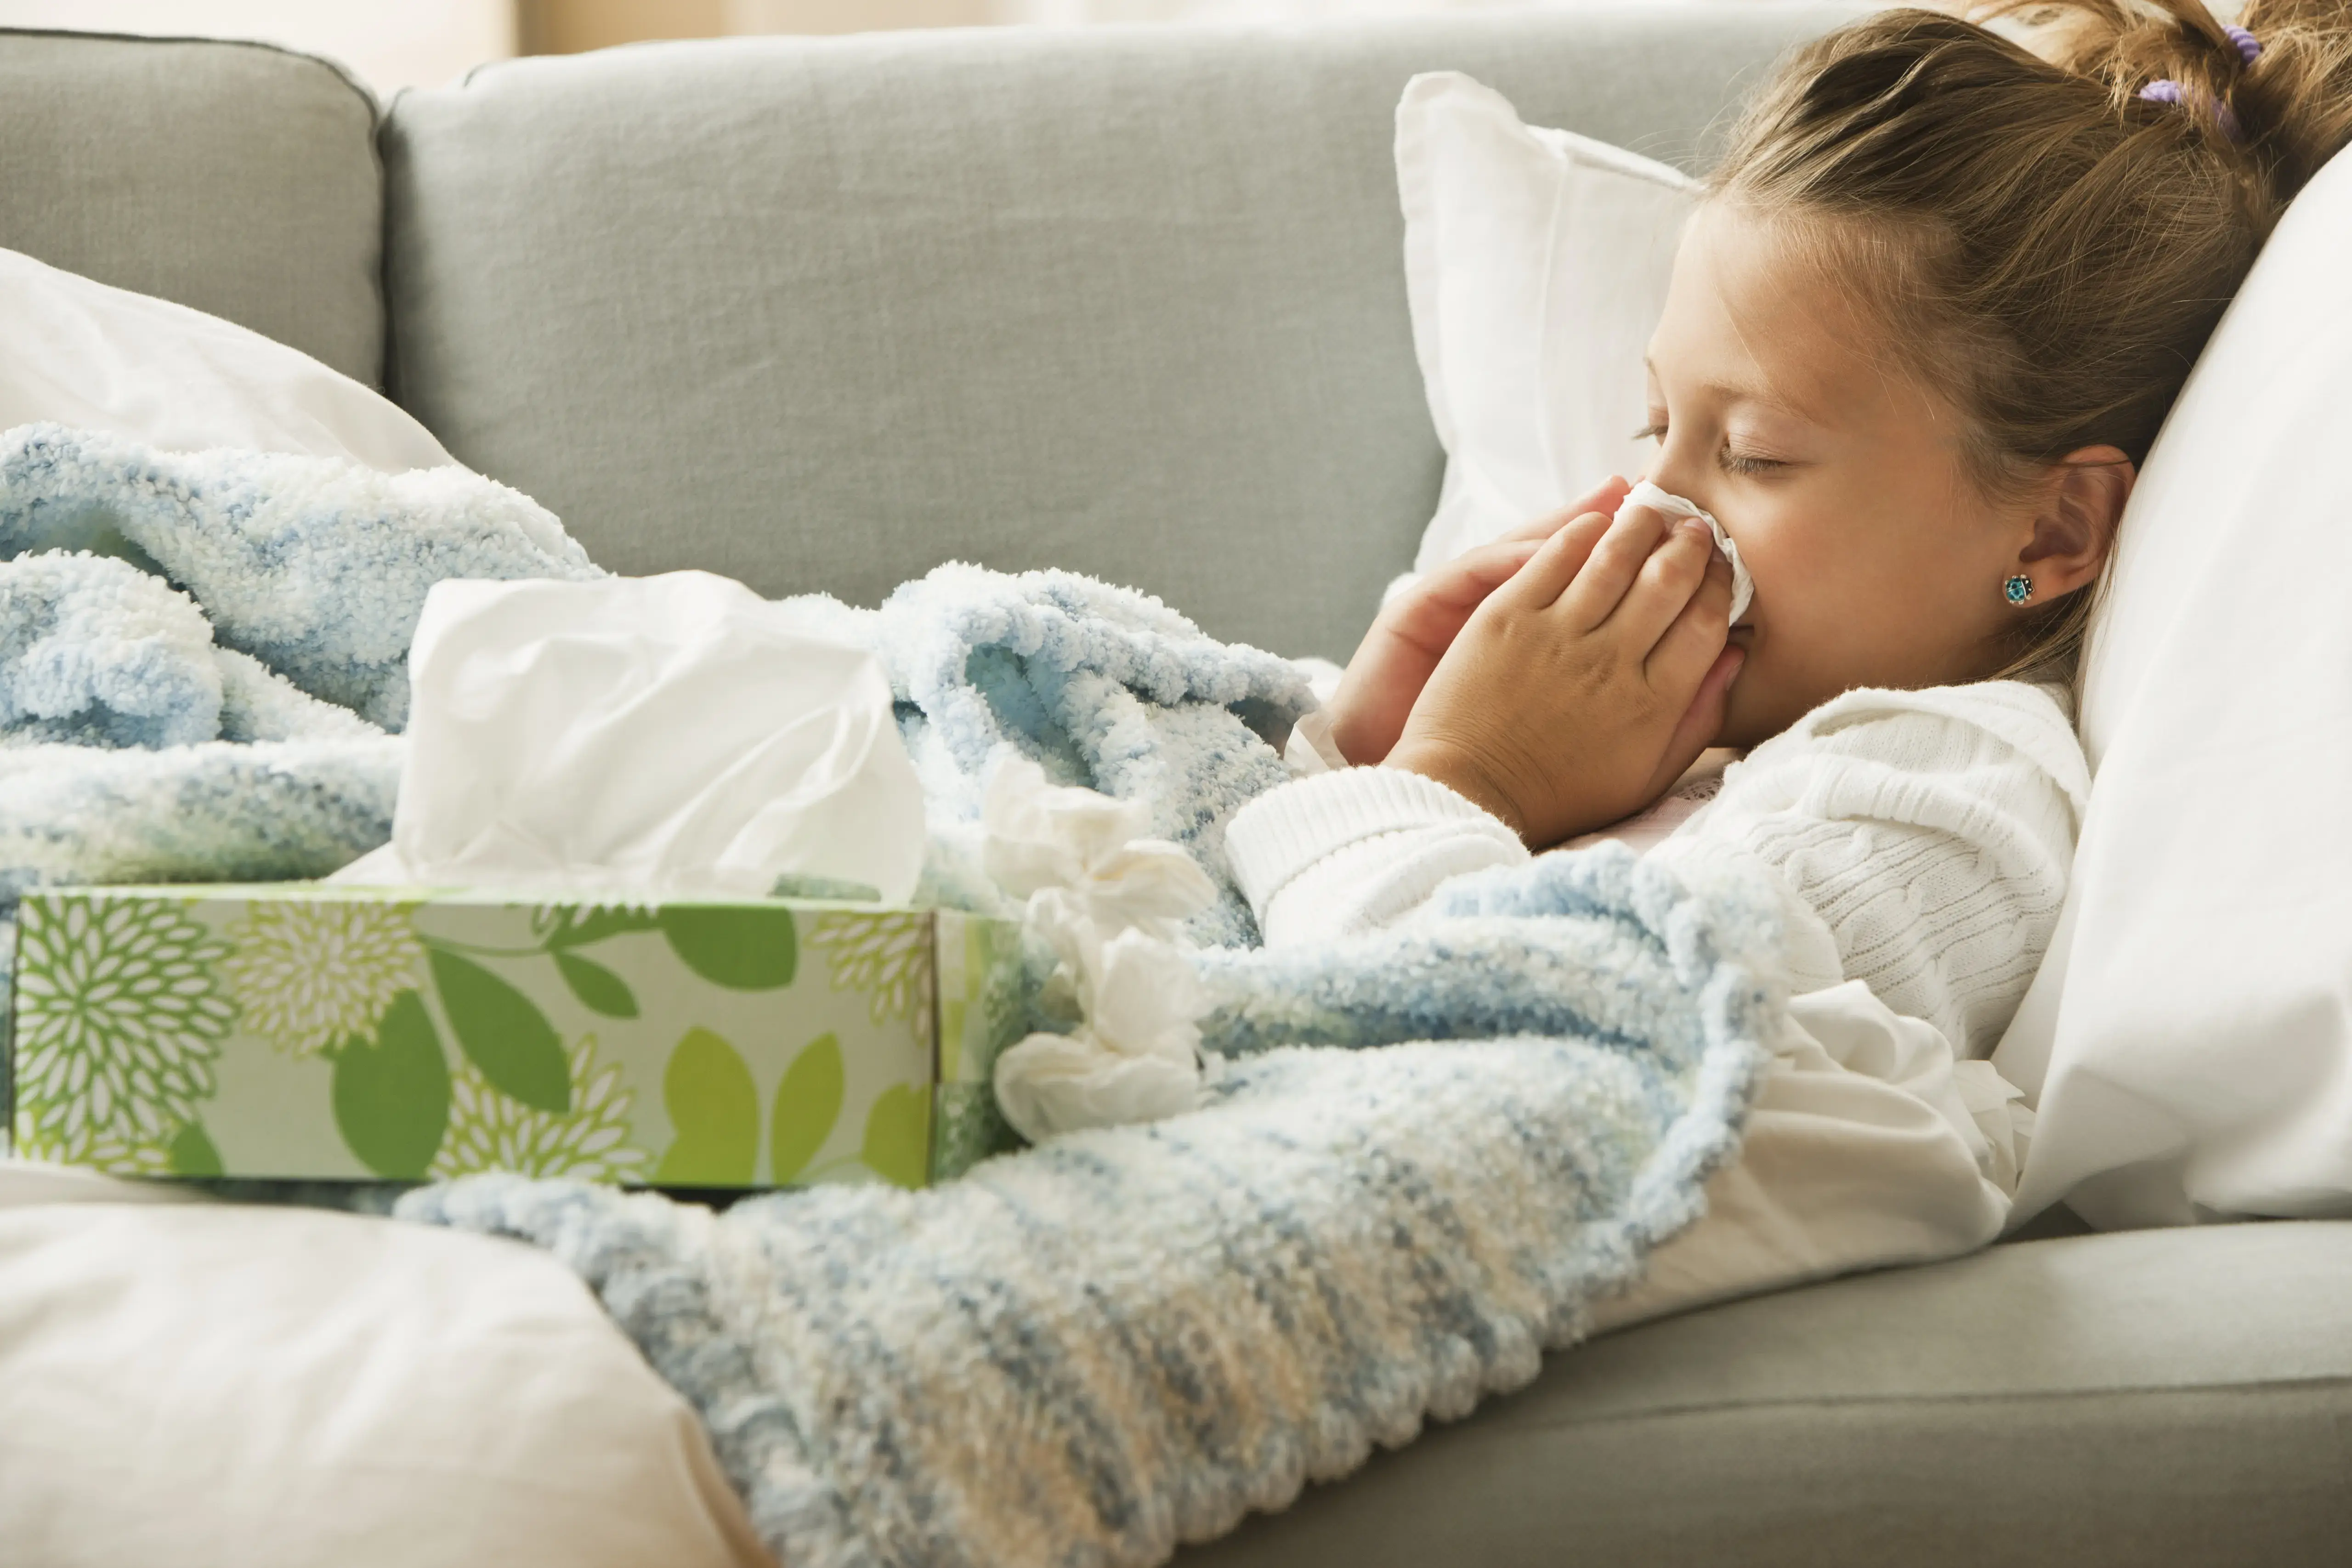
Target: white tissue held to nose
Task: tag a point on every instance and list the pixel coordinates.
(1743, 587)
(1110, 904)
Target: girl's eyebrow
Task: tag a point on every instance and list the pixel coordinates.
(1748, 391)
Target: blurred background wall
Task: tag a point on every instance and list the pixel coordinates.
(392, 44)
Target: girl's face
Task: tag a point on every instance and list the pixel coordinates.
(1878, 560)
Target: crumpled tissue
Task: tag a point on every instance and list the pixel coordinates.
(670, 736)
(1743, 587)
(1110, 904)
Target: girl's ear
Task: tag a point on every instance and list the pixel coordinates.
(2074, 527)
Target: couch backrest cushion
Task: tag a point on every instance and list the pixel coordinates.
(822, 313)
(237, 178)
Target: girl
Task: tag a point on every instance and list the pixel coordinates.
(1927, 322)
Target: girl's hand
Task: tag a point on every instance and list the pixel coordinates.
(1394, 660)
(1581, 689)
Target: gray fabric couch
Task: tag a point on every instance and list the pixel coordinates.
(822, 314)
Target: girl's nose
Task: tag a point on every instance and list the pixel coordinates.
(1680, 472)
(1680, 479)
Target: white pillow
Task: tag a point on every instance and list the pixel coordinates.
(204, 1384)
(1535, 264)
(2189, 1036)
(81, 353)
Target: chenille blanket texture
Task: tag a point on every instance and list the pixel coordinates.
(1429, 1151)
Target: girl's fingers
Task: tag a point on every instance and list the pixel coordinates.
(1615, 561)
(1557, 562)
(1604, 497)
(1487, 568)
(1703, 720)
(1661, 589)
(1433, 612)
(1686, 645)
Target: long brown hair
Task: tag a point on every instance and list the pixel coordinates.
(2055, 247)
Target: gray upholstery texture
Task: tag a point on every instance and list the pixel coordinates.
(237, 178)
(2179, 1397)
(820, 314)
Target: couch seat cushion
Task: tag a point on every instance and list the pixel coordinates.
(2174, 1397)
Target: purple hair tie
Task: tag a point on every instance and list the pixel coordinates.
(2164, 89)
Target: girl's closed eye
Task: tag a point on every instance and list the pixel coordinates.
(1748, 463)
(1744, 462)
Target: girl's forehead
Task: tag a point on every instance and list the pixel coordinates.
(1756, 315)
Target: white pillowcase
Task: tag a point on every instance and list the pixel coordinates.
(83, 353)
(2189, 1036)
(1535, 265)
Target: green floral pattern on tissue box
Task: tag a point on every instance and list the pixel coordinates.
(307, 1031)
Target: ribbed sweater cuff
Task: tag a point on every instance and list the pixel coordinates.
(1283, 831)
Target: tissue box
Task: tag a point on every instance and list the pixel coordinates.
(313, 1030)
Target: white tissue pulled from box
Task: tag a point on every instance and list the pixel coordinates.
(1743, 587)
(1110, 904)
(667, 737)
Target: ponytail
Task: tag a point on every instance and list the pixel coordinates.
(2274, 90)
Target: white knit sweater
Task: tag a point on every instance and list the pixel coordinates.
(1920, 840)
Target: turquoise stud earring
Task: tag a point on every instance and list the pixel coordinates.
(2018, 588)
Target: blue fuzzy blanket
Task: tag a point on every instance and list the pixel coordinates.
(1128, 1339)
(201, 654)
(1432, 1151)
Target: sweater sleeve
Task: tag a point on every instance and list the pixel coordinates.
(1920, 842)
(1928, 835)
(1354, 849)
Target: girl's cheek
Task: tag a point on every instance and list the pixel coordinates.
(1761, 552)
(1788, 551)
(1769, 547)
